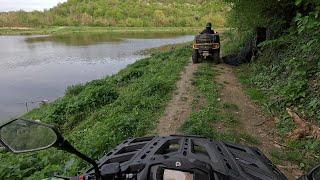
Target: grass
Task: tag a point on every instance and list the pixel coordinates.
(61, 30)
(212, 121)
(255, 94)
(97, 116)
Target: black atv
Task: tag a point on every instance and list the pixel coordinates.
(206, 46)
(173, 157)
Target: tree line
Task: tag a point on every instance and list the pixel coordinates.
(126, 13)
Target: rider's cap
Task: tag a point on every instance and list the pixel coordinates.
(209, 25)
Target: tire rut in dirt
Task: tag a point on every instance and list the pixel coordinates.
(180, 106)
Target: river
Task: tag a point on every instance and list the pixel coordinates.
(40, 68)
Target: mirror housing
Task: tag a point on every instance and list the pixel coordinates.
(20, 136)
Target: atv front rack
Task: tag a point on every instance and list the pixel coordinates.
(140, 158)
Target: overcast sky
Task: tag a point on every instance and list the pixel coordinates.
(27, 5)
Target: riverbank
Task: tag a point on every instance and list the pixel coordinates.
(60, 30)
(98, 115)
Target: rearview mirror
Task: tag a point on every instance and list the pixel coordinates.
(22, 135)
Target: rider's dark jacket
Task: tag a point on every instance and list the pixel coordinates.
(207, 31)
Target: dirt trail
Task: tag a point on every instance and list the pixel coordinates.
(251, 118)
(179, 108)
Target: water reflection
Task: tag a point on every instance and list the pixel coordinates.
(82, 39)
(36, 68)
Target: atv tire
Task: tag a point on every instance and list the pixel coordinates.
(195, 57)
(216, 56)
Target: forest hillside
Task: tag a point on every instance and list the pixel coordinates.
(123, 13)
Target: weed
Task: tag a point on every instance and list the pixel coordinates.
(230, 106)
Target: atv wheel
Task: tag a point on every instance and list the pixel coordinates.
(195, 57)
(216, 56)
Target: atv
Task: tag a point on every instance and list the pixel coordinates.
(174, 157)
(206, 46)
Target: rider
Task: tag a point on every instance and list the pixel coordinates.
(208, 29)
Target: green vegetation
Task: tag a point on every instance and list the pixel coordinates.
(211, 121)
(98, 115)
(123, 13)
(287, 72)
